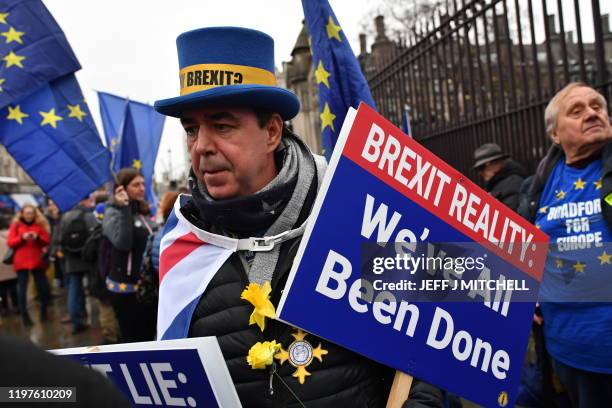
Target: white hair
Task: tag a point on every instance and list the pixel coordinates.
(552, 109)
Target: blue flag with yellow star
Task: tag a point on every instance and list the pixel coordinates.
(127, 154)
(133, 133)
(112, 112)
(340, 82)
(53, 138)
(33, 49)
(44, 122)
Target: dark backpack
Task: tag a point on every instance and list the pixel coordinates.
(74, 235)
(98, 249)
(148, 283)
(91, 247)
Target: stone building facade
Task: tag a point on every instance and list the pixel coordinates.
(300, 78)
(10, 168)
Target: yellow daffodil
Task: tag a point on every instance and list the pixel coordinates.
(262, 354)
(259, 297)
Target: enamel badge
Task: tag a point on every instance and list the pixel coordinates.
(300, 354)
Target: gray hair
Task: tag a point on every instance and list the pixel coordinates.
(552, 109)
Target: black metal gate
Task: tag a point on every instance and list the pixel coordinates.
(482, 71)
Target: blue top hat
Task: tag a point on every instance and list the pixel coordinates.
(228, 66)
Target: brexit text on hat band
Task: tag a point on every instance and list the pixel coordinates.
(200, 77)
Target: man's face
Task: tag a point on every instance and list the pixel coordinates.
(230, 153)
(488, 170)
(582, 120)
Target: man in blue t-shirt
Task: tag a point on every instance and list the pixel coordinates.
(570, 199)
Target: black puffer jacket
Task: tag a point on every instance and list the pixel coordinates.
(506, 184)
(342, 379)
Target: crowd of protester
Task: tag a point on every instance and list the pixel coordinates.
(107, 247)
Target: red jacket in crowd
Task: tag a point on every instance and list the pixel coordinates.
(28, 251)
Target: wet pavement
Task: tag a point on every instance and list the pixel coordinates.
(52, 334)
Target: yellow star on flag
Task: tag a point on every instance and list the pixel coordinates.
(560, 195)
(597, 184)
(333, 30)
(15, 113)
(604, 258)
(579, 184)
(50, 118)
(321, 74)
(76, 112)
(327, 118)
(13, 59)
(122, 287)
(2, 80)
(137, 164)
(559, 263)
(543, 209)
(13, 35)
(3, 17)
(579, 267)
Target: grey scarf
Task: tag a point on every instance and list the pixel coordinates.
(298, 162)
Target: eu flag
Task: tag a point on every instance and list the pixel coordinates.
(52, 136)
(33, 47)
(133, 133)
(44, 121)
(339, 78)
(112, 112)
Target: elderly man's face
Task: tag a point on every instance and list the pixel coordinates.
(582, 120)
(230, 153)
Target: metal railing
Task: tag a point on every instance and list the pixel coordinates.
(483, 71)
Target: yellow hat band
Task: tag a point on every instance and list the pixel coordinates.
(200, 77)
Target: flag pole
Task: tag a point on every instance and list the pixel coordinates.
(399, 390)
(120, 135)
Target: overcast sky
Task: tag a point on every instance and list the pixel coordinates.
(127, 47)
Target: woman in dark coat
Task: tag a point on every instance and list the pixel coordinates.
(126, 226)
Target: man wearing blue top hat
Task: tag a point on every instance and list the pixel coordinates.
(253, 183)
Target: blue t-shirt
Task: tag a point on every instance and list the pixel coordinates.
(578, 273)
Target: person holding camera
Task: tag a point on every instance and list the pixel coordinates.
(127, 226)
(29, 236)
